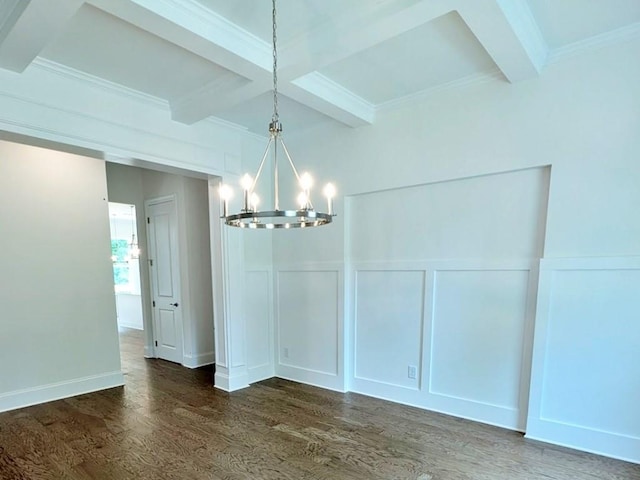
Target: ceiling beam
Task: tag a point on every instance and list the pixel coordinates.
(508, 33)
(350, 33)
(328, 97)
(505, 28)
(28, 26)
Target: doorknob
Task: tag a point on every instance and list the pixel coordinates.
(174, 304)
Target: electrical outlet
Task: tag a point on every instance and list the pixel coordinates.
(412, 371)
(286, 352)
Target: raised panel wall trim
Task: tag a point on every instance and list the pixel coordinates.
(59, 390)
(556, 430)
(506, 416)
(332, 380)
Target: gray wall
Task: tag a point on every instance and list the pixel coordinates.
(58, 327)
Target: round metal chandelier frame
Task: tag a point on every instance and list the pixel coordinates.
(249, 216)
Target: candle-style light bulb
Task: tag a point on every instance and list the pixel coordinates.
(329, 192)
(247, 184)
(225, 193)
(303, 200)
(306, 182)
(255, 200)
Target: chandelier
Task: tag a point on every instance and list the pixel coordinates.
(134, 249)
(304, 215)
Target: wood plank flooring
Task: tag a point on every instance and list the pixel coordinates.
(169, 423)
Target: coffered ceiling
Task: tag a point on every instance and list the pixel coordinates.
(340, 60)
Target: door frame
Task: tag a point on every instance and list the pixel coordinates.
(153, 324)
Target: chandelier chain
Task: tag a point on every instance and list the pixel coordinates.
(275, 117)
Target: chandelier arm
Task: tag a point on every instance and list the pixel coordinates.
(264, 157)
(286, 152)
(293, 167)
(276, 183)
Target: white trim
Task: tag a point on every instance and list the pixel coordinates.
(606, 39)
(223, 381)
(556, 431)
(59, 390)
(66, 72)
(338, 96)
(260, 372)
(417, 97)
(108, 86)
(200, 360)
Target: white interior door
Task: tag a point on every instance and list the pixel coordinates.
(164, 270)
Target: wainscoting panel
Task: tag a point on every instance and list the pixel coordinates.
(476, 345)
(466, 325)
(585, 386)
(309, 324)
(388, 327)
(259, 321)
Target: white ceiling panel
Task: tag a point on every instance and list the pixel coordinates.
(436, 53)
(102, 45)
(255, 114)
(340, 59)
(295, 17)
(567, 21)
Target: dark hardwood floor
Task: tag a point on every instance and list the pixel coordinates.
(170, 423)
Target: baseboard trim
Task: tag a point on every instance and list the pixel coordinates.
(59, 390)
(222, 381)
(201, 360)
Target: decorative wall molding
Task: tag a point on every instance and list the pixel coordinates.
(262, 371)
(423, 394)
(288, 368)
(59, 390)
(553, 415)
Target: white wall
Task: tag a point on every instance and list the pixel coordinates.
(448, 281)
(58, 327)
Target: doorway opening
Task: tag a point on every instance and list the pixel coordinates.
(175, 261)
(125, 257)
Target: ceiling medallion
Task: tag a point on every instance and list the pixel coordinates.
(304, 215)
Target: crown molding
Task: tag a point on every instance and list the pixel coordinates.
(613, 37)
(337, 96)
(417, 97)
(117, 89)
(213, 27)
(91, 80)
